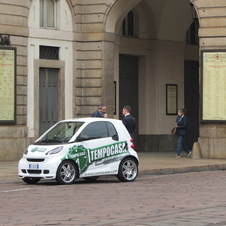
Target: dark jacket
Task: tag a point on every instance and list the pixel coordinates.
(97, 114)
(130, 123)
(182, 125)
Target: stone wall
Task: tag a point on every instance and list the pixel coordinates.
(93, 72)
(13, 138)
(212, 34)
(212, 141)
(94, 69)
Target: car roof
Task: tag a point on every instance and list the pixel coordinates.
(91, 119)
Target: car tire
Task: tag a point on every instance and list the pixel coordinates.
(128, 170)
(31, 180)
(90, 179)
(67, 172)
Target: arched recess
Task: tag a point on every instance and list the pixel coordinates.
(161, 55)
(176, 20)
(119, 11)
(196, 13)
(138, 46)
(60, 37)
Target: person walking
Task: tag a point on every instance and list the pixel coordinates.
(181, 125)
(128, 120)
(100, 112)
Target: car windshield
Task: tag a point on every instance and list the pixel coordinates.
(61, 133)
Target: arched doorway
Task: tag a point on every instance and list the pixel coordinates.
(158, 41)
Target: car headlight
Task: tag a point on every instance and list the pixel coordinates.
(25, 152)
(54, 151)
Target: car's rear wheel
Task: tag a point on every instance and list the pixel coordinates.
(128, 170)
(90, 179)
(66, 172)
(31, 180)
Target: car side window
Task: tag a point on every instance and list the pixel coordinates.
(95, 130)
(111, 129)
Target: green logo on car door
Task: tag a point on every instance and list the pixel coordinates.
(84, 157)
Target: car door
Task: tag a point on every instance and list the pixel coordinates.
(100, 149)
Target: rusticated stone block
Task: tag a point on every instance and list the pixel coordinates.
(92, 36)
(213, 42)
(212, 32)
(13, 131)
(94, 8)
(86, 111)
(212, 131)
(87, 92)
(89, 83)
(212, 147)
(88, 100)
(90, 18)
(92, 55)
(213, 4)
(212, 12)
(92, 64)
(13, 148)
(92, 46)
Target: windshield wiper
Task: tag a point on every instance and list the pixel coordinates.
(50, 141)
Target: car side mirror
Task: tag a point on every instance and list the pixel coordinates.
(115, 137)
(82, 138)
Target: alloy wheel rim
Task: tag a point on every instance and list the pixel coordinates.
(67, 173)
(129, 170)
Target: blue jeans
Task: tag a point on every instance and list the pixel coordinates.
(180, 145)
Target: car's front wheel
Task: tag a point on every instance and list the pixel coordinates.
(66, 172)
(128, 170)
(31, 180)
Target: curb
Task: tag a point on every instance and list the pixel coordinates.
(177, 170)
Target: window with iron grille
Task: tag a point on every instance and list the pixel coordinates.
(48, 52)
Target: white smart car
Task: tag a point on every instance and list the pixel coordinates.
(80, 148)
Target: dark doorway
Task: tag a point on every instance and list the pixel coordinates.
(191, 78)
(48, 96)
(128, 87)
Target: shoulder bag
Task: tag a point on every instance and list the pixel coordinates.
(174, 130)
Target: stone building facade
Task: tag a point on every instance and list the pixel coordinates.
(73, 55)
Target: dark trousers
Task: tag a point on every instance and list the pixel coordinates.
(180, 145)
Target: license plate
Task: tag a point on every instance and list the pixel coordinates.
(34, 166)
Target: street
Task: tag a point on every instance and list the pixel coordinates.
(178, 199)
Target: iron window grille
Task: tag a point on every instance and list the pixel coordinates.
(49, 53)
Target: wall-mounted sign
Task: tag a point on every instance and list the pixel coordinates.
(7, 85)
(171, 99)
(214, 86)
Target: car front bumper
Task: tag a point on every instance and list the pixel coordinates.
(45, 168)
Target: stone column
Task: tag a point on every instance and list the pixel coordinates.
(212, 34)
(94, 64)
(108, 88)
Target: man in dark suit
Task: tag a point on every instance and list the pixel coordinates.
(129, 121)
(100, 112)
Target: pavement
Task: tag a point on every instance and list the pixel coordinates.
(152, 163)
(165, 163)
